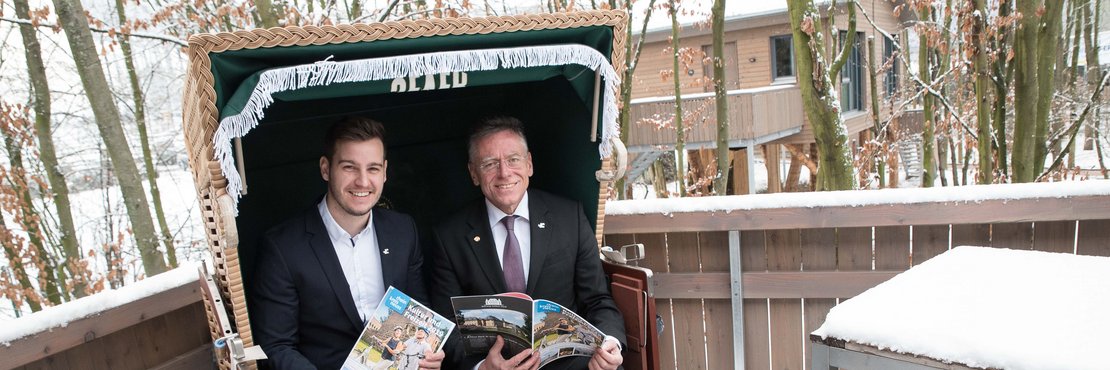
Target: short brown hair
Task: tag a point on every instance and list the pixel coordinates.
(352, 128)
(492, 125)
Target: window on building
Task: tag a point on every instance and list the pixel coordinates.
(851, 75)
(890, 81)
(782, 58)
(732, 71)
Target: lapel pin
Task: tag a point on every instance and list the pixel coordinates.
(385, 251)
(477, 238)
(542, 225)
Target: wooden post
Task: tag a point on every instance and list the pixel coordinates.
(740, 172)
(772, 159)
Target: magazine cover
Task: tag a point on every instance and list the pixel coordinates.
(559, 332)
(397, 334)
(544, 326)
(482, 318)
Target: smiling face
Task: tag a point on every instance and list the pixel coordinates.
(500, 166)
(355, 175)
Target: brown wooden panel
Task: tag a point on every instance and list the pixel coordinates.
(1054, 236)
(617, 240)
(892, 247)
(1094, 238)
(816, 310)
(819, 253)
(971, 234)
(689, 332)
(655, 258)
(784, 253)
(199, 358)
(933, 213)
(78, 331)
(853, 249)
(1017, 235)
(786, 323)
(718, 312)
(753, 257)
(123, 347)
(773, 284)
(928, 242)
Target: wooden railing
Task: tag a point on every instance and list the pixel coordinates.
(740, 281)
(164, 330)
(767, 112)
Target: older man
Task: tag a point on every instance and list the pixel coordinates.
(521, 240)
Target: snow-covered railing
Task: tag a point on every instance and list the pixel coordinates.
(155, 322)
(796, 255)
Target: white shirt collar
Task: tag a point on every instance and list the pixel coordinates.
(495, 214)
(336, 232)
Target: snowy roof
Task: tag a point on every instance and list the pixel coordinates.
(987, 307)
(61, 315)
(856, 198)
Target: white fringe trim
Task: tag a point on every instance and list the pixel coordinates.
(326, 72)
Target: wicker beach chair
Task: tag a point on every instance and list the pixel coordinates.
(257, 103)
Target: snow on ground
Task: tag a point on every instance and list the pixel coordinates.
(62, 315)
(988, 307)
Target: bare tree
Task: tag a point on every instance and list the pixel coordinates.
(71, 15)
(816, 74)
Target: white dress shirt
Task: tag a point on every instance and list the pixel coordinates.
(522, 230)
(358, 256)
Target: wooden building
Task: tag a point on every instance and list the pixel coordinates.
(765, 104)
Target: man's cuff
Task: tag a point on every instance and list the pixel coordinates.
(479, 364)
(614, 339)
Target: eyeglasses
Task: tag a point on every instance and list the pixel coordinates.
(515, 162)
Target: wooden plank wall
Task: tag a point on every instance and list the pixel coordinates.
(148, 344)
(697, 316)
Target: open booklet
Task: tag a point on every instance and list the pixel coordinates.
(397, 334)
(544, 326)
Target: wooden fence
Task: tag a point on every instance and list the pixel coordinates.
(166, 330)
(796, 263)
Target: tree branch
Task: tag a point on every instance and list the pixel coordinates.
(1074, 128)
(162, 38)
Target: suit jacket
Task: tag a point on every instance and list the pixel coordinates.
(302, 311)
(564, 265)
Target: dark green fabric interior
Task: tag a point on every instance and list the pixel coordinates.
(426, 131)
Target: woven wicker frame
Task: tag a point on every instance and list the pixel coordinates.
(201, 118)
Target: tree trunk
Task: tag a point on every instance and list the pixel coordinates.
(928, 123)
(144, 140)
(71, 15)
(822, 107)
(1090, 44)
(876, 153)
(59, 190)
(15, 261)
(266, 14)
(50, 278)
(720, 180)
(1002, 71)
(983, 103)
(631, 60)
(679, 124)
(1025, 92)
(1047, 48)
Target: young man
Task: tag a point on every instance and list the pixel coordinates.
(321, 274)
(414, 350)
(522, 240)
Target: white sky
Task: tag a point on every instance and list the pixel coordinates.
(988, 307)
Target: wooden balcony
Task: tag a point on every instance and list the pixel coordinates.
(756, 116)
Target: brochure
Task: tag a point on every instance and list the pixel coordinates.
(397, 334)
(544, 326)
